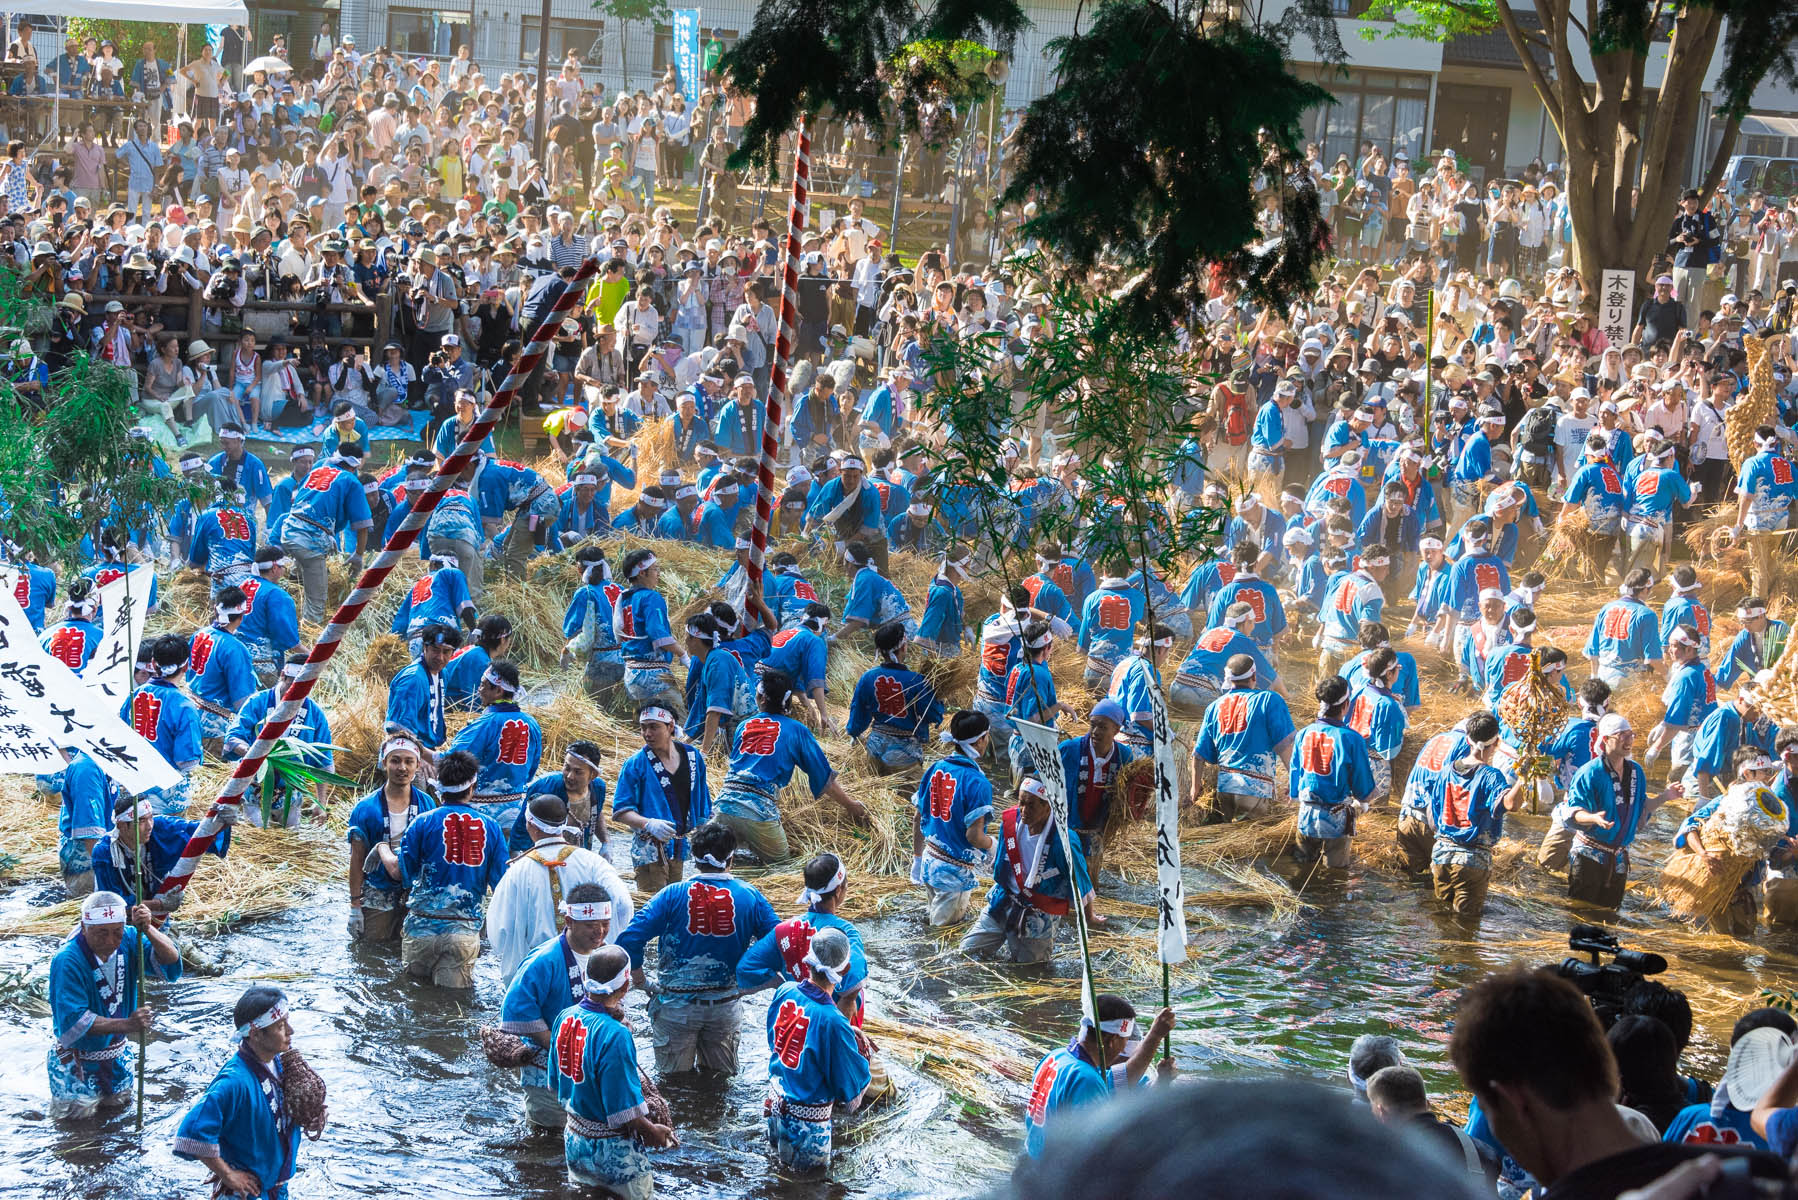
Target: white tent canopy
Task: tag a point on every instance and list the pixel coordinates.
(190, 12)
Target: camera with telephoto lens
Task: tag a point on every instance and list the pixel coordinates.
(1605, 983)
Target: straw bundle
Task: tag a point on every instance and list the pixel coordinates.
(183, 600)
(1572, 549)
(536, 614)
(1749, 822)
(968, 1066)
(386, 656)
(28, 836)
(1755, 408)
(654, 443)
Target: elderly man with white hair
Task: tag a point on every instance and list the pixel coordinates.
(95, 1003)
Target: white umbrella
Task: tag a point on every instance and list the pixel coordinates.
(269, 63)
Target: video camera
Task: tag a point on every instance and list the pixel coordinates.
(1606, 984)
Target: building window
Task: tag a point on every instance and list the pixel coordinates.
(426, 31)
(586, 38)
(1349, 8)
(1386, 109)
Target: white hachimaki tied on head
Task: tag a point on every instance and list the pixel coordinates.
(104, 908)
(966, 729)
(608, 973)
(828, 954)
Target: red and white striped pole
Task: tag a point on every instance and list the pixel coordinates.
(370, 582)
(799, 208)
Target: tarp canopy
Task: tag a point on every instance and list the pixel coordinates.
(189, 12)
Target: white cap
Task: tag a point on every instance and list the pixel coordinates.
(1612, 724)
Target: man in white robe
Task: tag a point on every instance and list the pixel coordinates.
(525, 909)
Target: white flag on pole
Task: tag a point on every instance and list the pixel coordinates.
(121, 620)
(1044, 744)
(1172, 906)
(44, 705)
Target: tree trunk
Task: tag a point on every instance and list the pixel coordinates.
(624, 53)
(1622, 187)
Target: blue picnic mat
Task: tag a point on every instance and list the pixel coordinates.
(302, 434)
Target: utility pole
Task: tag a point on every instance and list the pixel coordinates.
(537, 133)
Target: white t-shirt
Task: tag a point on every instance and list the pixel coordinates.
(1570, 436)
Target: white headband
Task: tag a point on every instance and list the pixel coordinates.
(1748, 614)
(125, 816)
(835, 975)
(685, 490)
(643, 566)
(1034, 787)
(488, 676)
(1519, 627)
(815, 624)
(230, 610)
(1758, 763)
(578, 757)
(103, 908)
(445, 560)
(694, 631)
(586, 480)
(1592, 712)
(653, 714)
(706, 860)
(1482, 745)
(1687, 589)
(1160, 641)
(1767, 443)
(652, 501)
(587, 910)
(1430, 543)
(457, 789)
(292, 670)
(1040, 642)
(400, 743)
(1121, 1027)
(1242, 677)
(615, 984)
(852, 464)
(813, 895)
(272, 1016)
(1680, 637)
(283, 561)
(967, 747)
(1382, 561)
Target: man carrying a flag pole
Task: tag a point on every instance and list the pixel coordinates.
(1102, 1056)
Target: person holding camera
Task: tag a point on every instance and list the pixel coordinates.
(351, 382)
(330, 282)
(434, 305)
